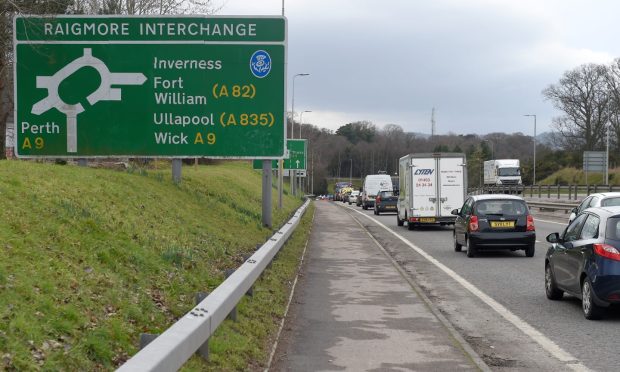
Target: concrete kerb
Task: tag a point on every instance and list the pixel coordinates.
(456, 336)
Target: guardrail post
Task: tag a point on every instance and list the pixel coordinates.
(233, 313)
(548, 191)
(539, 192)
(559, 192)
(588, 190)
(266, 194)
(595, 189)
(203, 350)
(610, 188)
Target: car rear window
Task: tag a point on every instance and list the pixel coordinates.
(386, 194)
(500, 207)
(610, 202)
(613, 228)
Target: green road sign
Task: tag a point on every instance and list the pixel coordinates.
(296, 154)
(297, 150)
(150, 86)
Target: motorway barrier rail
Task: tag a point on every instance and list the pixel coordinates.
(568, 192)
(566, 207)
(170, 350)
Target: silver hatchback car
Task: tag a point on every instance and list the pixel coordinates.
(603, 199)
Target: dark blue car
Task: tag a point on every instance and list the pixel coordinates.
(584, 260)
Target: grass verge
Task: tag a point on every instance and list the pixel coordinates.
(91, 258)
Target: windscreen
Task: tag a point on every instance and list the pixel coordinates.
(507, 172)
(610, 202)
(613, 228)
(500, 208)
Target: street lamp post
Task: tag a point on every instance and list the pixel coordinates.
(492, 148)
(293, 176)
(301, 121)
(293, 104)
(534, 172)
(351, 172)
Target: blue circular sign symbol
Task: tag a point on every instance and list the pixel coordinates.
(260, 64)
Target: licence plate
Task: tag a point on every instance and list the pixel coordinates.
(390, 207)
(502, 224)
(427, 219)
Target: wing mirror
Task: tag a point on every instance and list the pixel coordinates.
(455, 212)
(574, 210)
(553, 238)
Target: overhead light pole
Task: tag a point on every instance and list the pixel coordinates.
(293, 105)
(492, 147)
(534, 172)
(351, 172)
(301, 121)
(293, 175)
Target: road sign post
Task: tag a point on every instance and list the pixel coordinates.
(174, 87)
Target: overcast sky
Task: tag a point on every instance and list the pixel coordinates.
(481, 63)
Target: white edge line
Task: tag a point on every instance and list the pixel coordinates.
(530, 331)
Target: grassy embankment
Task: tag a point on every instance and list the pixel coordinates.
(574, 176)
(90, 258)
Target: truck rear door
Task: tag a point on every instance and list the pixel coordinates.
(423, 187)
(452, 181)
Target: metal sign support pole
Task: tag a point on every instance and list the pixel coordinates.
(176, 170)
(280, 181)
(607, 158)
(267, 193)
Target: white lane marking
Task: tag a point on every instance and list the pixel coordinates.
(530, 331)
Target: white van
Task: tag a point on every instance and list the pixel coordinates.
(373, 185)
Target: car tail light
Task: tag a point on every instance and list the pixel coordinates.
(607, 251)
(378, 199)
(530, 223)
(473, 223)
(613, 297)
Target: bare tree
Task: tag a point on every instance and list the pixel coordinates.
(582, 94)
(612, 78)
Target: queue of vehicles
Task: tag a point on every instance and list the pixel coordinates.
(583, 260)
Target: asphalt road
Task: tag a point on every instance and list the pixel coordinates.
(513, 281)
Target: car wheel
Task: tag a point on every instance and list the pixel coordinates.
(552, 291)
(529, 251)
(471, 249)
(590, 310)
(457, 246)
(399, 222)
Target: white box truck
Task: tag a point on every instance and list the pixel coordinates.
(431, 186)
(373, 185)
(502, 172)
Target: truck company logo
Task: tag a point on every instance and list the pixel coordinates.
(423, 172)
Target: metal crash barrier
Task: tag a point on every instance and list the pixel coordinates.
(170, 350)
